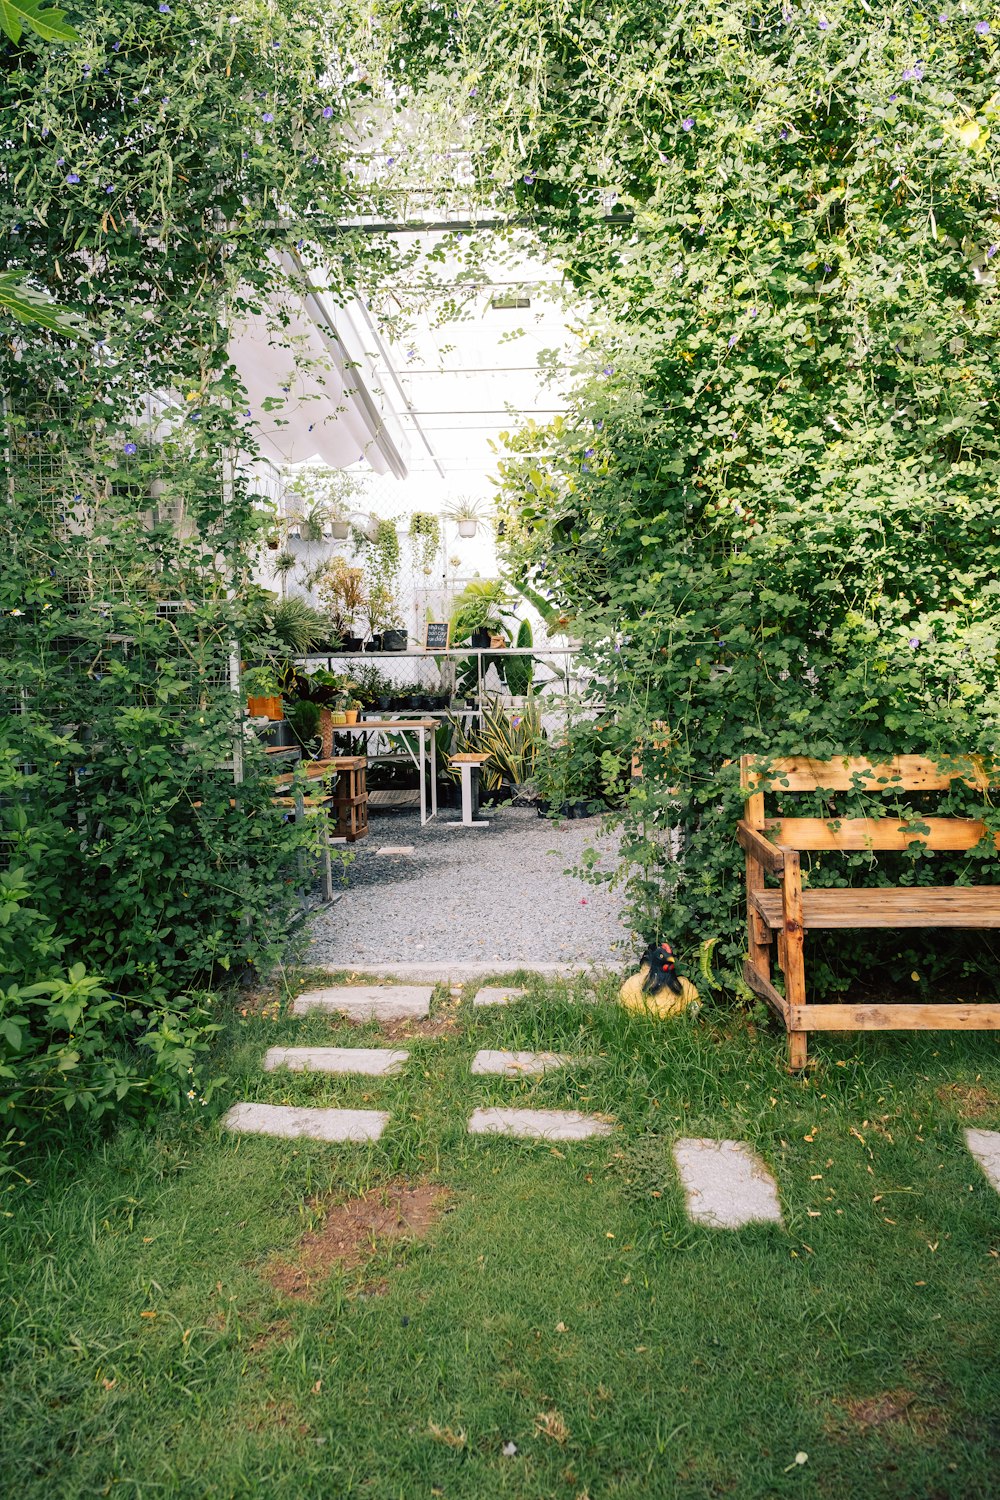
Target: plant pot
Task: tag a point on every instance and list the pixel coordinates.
(394, 640)
(375, 644)
(498, 642)
(419, 701)
(265, 708)
(350, 716)
(385, 702)
(351, 643)
(340, 530)
(480, 638)
(467, 528)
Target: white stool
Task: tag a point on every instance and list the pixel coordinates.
(468, 766)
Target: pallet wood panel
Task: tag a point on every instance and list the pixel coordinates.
(876, 833)
(980, 1017)
(914, 773)
(892, 906)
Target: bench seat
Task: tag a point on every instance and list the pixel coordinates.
(888, 906)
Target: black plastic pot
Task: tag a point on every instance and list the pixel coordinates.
(385, 702)
(351, 643)
(480, 638)
(394, 640)
(375, 644)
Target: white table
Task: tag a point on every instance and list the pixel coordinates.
(425, 730)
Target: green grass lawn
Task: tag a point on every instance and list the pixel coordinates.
(563, 1303)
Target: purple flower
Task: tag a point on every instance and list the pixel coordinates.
(72, 177)
(314, 160)
(732, 340)
(687, 124)
(992, 251)
(515, 721)
(893, 98)
(982, 28)
(109, 188)
(754, 312)
(823, 24)
(473, 93)
(589, 453)
(275, 44)
(116, 46)
(914, 74)
(164, 8)
(267, 117)
(943, 20)
(130, 448)
(529, 178)
(328, 112)
(390, 161)
(914, 642)
(86, 67)
(608, 370)
(783, 135)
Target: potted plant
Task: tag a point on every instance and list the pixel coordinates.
(466, 514)
(383, 620)
(322, 501)
(342, 590)
(352, 709)
(425, 538)
(480, 612)
(263, 692)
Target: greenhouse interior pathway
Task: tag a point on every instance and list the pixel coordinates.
(496, 894)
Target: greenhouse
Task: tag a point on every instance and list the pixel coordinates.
(499, 666)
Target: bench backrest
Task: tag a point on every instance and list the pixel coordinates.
(913, 773)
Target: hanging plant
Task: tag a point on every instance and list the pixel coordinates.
(425, 537)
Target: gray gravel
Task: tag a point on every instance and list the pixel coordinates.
(497, 893)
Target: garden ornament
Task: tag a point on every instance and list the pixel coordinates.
(657, 990)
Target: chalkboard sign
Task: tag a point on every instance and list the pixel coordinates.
(436, 638)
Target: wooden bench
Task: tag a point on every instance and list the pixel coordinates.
(773, 847)
(349, 799)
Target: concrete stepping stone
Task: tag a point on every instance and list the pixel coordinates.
(725, 1183)
(519, 1064)
(369, 1002)
(985, 1147)
(537, 1124)
(378, 1062)
(498, 995)
(289, 1122)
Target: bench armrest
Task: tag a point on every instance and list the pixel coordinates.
(771, 856)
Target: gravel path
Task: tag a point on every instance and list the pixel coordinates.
(474, 894)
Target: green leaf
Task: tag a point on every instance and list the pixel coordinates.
(32, 306)
(50, 25)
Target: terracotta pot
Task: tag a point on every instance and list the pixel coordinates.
(265, 708)
(350, 715)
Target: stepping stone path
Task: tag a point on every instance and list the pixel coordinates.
(369, 1002)
(378, 1062)
(291, 1122)
(985, 1147)
(497, 995)
(519, 1064)
(726, 1184)
(537, 1124)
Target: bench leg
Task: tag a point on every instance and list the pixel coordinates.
(793, 960)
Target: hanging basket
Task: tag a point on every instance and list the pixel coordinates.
(467, 528)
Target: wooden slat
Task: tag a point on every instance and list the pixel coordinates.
(764, 853)
(801, 773)
(891, 906)
(895, 1017)
(876, 833)
(765, 989)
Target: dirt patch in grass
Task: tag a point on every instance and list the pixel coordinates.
(270, 1335)
(885, 1410)
(970, 1100)
(353, 1232)
(432, 1026)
